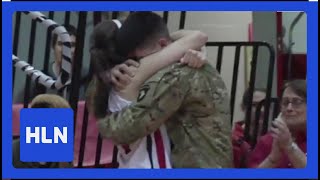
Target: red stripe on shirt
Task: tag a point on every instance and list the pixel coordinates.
(160, 149)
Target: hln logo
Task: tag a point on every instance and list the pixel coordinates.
(46, 135)
(36, 135)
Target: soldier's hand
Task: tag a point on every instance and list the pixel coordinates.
(122, 74)
(194, 59)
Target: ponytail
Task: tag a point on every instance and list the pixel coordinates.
(104, 58)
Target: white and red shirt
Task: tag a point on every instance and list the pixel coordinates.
(152, 151)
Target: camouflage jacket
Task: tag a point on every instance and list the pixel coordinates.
(193, 104)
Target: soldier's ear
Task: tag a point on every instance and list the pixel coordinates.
(163, 42)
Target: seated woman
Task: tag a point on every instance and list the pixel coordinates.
(241, 146)
(285, 145)
(144, 153)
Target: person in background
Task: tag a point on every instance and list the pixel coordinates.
(242, 146)
(55, 68)
(285, 146)
(56, 45)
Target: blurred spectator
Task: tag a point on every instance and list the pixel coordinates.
(285, 145)
(242, 146)
(55, 68)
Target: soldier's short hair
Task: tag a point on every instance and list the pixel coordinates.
(140, 29)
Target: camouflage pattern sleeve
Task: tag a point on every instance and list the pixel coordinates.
(158, 99)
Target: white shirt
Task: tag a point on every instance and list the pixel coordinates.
(137, 155)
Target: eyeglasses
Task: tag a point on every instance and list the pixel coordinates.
(295, 102)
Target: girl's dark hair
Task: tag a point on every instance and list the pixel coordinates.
(298, 86)
(103, 58)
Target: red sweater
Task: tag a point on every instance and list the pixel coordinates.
(264, 146)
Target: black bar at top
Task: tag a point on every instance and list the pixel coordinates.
(16, 43)
(269, 88)
(182, 19)
(30, 61)
(78, 57)
(48, 46)
(219, 58)
(115, 14)
(83, 136)
(67, 18)
(234, 79)
(165, 16)
(251, 90)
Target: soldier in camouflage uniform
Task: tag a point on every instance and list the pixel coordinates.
(193, 104)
